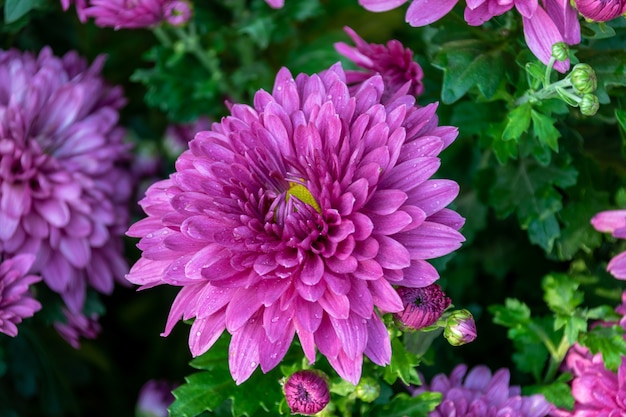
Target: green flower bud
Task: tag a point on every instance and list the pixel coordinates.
(560, 51)
(583, 79)
(460, 328)
(589, 105)
(368, 389)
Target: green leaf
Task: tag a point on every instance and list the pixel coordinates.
(200, 393)
(561, 293)
(543, 127)
(403, 364)
(404, 405)
(529, 190)
(558, 392)
(608, 340)
(512, 314)
(518, 121)
(467, 63)
(14, 9)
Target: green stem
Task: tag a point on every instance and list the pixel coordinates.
(555, 360)
(190, 40)
(161, 35)
(546, 77)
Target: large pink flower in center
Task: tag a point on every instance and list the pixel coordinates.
(298, 216)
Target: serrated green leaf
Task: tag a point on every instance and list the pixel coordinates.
(573, 326)
(531, 358)
(512, 314)
(14, 9)
(469, 63)
(518, 121)
(535, 72)
(203, 391)
(608, 340)
(561, 293)
(558, 392)
(403, 364)
(543, 127)
(404, 405)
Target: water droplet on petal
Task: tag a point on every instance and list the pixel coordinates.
(275, 319)
(252, 364)
(149, 235)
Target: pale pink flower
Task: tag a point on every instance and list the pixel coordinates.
(298, 216)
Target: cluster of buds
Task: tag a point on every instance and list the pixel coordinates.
(425, 309)
(578, 87)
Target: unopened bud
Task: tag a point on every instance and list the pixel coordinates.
(583, 79)
(177, 12)
(589, 105)
(460, 328)
(560, 51)
(601, 10)
(422, 306)
(368, 389)
(307, 392)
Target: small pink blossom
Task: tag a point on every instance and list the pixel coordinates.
(306, 392)
(601, 10)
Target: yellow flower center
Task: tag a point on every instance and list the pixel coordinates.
(302, 193)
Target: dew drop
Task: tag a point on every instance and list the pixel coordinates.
(149, 235)
(198, 334)
(279, 88)
(273, 355)
(253, 364)
(317, 315)
(275, 319)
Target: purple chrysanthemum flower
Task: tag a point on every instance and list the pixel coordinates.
(275, 4)
(601, 10)
(306, 392)
(155, 397)
(479, 394)
(393, 62)
(77, 326)
(63, 192)
(297, 216)
(16, 301)
(423, 306)
(614, 222)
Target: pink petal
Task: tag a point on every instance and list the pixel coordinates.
(425, 12)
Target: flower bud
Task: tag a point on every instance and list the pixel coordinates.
(177, 12)
(422, 306)
(583, 79)
(154, 398)
(560, 51)
(460, 328)
(589, 105)
(368, 389)
(306, 392)
(601, 10)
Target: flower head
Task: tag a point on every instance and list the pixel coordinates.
(275, 4)
(63, 186)
(481, 394)
(601, 10)
(460, 328)
(422, 306)
(614, 222)
(306, 392)
(125, 14)
(297, 216)
(393, 62)
(155, 397)
(77, 326)
(16, 302)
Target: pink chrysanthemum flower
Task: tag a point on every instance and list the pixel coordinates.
(127, 14)
(545, 23)
(393, 62)
(16, 301)
(77, 326)
(297, 216)
(614, 222)
(63, 192)
(481, 394)
(275, 4)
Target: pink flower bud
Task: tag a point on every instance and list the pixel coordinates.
(601, 10)
(306, 392)
(422, 306)
(460, 328)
